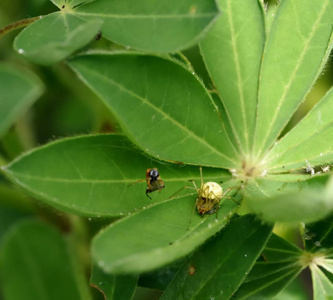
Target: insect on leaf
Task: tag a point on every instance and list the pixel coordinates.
(93, 175)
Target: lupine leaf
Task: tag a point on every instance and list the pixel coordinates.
(298, 45)
(232, 51)
(19, 88)
(54, 37)
(161, 106)
(93, 175)
(146, 25)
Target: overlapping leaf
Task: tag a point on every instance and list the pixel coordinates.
(113, 287)
(162, 107)
(322, 286)
(156, 236)
(278, 265)
(90, 175)
(232, 51)
(217, 269)
(164, 27)
(317, 238)
(297, 48)
(308, 143)
(54, 37)
(276, 201)
(19, 88)
(13, 207)
(34, 259)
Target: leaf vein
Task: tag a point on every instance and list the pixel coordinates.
(165, 115)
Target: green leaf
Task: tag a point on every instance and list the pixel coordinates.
(294, 291)
(317, 239)
(160, 279)
(274, 185)
(90, 175)
(232, 51)
(161, 106)
(322, 286)
(318, 236)
(309, 142)
(270, 14)
(274, 270)
(14, 206)
(54, 37)
(210, 272)
(157, 235)
(329, 188)
(112, 287)
(34, 260)
(297, 177)
(297, 48)
(166, 27)
(69, 4)
(18, 90)
(291, 202)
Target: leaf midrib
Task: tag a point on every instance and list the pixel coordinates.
(292, 77)
(220, 265)
(239, 81)
(271, 282)
(304, 140)
(143, 16)
(101, 181)
(158, 110)
(298, 161)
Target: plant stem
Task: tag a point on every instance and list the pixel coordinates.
(3, 162)
(17, 25)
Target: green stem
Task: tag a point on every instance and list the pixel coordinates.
(17, 25)
(3, 162)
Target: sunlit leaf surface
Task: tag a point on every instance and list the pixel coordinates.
(98, 175)
(163, 26)
(163, 108)
(297, 48)
(232, 51)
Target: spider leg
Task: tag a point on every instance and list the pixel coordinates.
(184, 188)
(233, 188)
(229, 189)
(228, 197)
(200, 168)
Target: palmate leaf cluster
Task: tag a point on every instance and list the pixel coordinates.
(261, 64)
